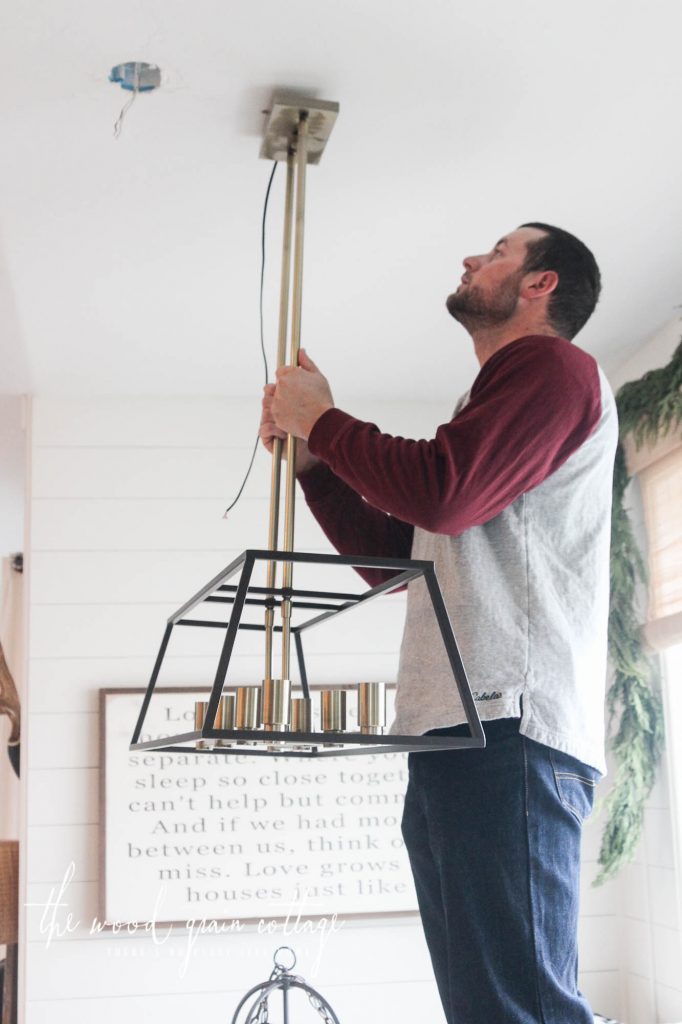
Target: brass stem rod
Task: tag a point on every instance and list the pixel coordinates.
(296, 304)
(285, 285)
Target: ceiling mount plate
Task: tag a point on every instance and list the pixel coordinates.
(136, 75)
(282, 124)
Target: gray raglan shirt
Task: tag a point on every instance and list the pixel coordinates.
(511, 501)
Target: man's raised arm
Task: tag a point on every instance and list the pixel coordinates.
(352, 525)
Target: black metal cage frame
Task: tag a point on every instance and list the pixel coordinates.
(325, 604)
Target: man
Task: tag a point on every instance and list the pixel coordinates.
(511, 500)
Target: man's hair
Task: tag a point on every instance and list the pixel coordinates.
(572, 302)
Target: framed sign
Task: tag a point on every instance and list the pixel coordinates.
(188, 836)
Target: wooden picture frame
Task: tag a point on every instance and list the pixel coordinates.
(364, 871)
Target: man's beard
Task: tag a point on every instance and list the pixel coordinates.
(473, 309)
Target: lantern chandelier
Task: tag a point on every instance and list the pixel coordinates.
(266, 720)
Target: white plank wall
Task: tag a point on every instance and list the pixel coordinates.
(652, 941)
(127, 497)
(651, 930)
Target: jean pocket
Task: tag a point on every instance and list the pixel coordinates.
(575, 783)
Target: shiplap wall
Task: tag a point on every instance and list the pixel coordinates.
(651, 934)
(652, 946)
(650, 928)
(127, 497)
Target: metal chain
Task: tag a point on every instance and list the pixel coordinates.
(318, 1005)
(314, 1000)
(262, 1015)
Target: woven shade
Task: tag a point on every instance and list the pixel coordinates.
(638, 459)
(661, 483)
(9, 892)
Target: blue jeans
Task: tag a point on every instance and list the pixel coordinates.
(493, 838)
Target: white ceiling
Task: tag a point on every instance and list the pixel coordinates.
(131, 266)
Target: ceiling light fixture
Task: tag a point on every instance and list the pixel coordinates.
(265, 720)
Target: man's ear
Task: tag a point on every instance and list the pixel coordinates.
(543, 283)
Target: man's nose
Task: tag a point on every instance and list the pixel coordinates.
(470, 262)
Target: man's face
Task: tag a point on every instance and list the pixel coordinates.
(491, 284)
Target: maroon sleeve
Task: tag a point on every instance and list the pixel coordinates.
(532, 405)
(353, 526)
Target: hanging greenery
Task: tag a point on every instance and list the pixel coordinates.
(647, 409)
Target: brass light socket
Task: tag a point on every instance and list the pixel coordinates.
(301, 719)
(372, 708)
(333, 708)
(247, 707)
(226, 715)
(301, 714)
(276, 705)
(200, 707)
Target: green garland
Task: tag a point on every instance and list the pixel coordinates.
(647, 409)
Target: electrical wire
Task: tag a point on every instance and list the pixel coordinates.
(118, 126)
(262, 333)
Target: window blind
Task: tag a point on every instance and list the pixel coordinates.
(660, 477)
